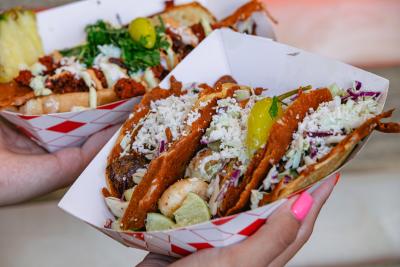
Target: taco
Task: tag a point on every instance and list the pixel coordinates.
(323, 141)
(157, 143)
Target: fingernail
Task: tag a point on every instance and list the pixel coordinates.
(302, 206)
(337, 178)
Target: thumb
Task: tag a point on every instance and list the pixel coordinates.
(277, 234)
(96, 142)
(73, 160)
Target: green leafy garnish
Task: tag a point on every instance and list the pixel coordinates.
(273, 110)
(133, 54)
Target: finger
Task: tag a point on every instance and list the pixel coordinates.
(276, 235)
(320, 196)
(24, 176)
(96, 142)
(13, 140)
(156, 260)
(72, 161)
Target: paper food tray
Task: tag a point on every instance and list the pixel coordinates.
(251, 61)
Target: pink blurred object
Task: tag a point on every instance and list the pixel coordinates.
(364, 33)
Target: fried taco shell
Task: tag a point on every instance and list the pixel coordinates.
(237, 197)
(334, 159)
(170, 166)
(119, 169)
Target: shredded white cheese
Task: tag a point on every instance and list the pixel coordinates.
(193, 116)
(165, 113)
(228, 128)
(334, 119)
(37, 68)
(226, 138)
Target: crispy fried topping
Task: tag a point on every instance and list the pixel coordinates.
(66, 82)
(127, 88)
(50, 64)
(100, 76)
(24, 77)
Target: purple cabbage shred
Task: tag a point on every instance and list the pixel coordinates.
(287, 179)
(203, 142)
(162, 147)
(235, 178)
(358, 85)
(108, 224)
(319, 134)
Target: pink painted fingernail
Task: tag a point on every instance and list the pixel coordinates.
(302, 206)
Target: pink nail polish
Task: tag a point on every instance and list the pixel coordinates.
(302, 206)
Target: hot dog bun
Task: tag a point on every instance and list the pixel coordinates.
(55, 103)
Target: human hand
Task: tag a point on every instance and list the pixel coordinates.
(28, 171)
(274, 244)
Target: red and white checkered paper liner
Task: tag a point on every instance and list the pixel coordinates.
(183, 241)
(253, 61)
(69, 129)
(219, 232)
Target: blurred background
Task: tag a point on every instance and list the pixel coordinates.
(360, 224)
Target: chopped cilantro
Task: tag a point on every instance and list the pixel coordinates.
(134, 55)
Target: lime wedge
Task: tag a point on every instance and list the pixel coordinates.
(116, 225)
(193, 210)
(128, 193)
(158, 222)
